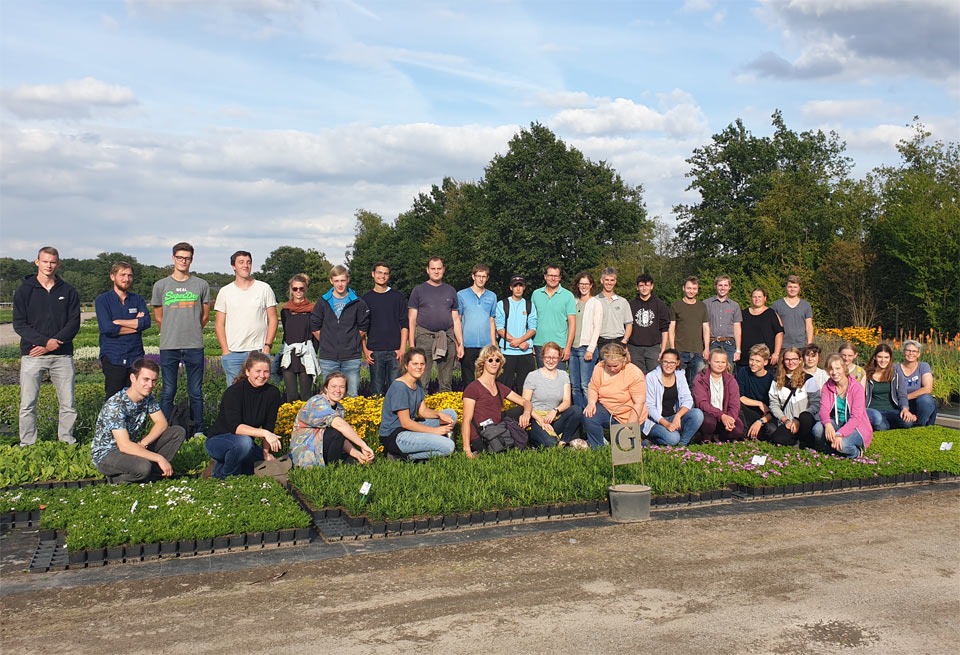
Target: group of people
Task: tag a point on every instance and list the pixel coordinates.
(667, 368)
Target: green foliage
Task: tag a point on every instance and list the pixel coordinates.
(286, 261)
(104, 516)
(88, 399)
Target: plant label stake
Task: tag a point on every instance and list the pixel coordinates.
(625, 444)
(759, 460)
(364, 490)
(946, 445)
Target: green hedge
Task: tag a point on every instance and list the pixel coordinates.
(103, 516)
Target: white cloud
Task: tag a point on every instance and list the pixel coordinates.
(623, 116)
(823, 110)
(72, 99)
(692, 6)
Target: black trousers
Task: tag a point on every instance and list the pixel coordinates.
(115, 378)
(515, 370)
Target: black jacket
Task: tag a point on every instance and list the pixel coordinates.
(40, 315)
(340, 338)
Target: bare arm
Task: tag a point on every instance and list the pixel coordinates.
(272, 323)
(412, 319)
(808, 324)
(457, 332)
(204, 315)
(571, 330)
(737, 333)
(672, 334)
(219, 326)
(158, 315)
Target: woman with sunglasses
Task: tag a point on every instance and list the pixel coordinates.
(298, 361)
(483, 400)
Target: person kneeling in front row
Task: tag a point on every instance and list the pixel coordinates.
(671, 417)
(320, 434)
(116, 450)
(248, 411)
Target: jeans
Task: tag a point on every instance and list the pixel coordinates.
(60, 368)
(580, 373)
(729, 347)
(646, 358)
(925, 408)
(595, 425)
(122, 467)
(349, 367)
(193, 363)
(233, 454)
(233, 364)
(565, 425)
(423, 445)
(692, 364)
(850, 446)
(689, 424)
(383, 371)
(887, 419)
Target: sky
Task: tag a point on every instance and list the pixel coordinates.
(130, 126)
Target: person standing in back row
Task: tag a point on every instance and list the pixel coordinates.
(340, 322)
(796, 315)
(477, 306)
(690, 329)
(556, 310)
(246, 318)
(617, 322)
(386, 340)
(46, 316)
(121, 316)
(651, 326)
(181, 309)
(725, 320)
(435, 324)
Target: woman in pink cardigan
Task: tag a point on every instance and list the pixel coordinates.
(717, 394)
(843, 412)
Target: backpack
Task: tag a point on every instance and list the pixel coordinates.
(503, 435)
(181, 416)
(506, 318)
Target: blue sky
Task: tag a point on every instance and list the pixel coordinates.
(129, 126)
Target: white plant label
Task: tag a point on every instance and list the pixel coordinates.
(946, 445)
(364, 488)
(759, 460)
(132, 509)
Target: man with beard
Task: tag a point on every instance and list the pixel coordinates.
(122, 315)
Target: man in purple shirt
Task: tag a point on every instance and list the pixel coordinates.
(435, 324)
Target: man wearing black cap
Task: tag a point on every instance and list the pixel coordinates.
(516, 323)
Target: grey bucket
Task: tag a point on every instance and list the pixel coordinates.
(629, 502)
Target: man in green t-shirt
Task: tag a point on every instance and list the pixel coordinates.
(690, 329)
(556, 314)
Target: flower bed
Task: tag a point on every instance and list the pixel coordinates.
(105, 516)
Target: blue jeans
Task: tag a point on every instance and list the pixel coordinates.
(595, 425)
(729, 347)
(692, 364)
(234, 454)
(383, 371)
(349, 367)
(925, 408)
(852, 445)
(423, 445)
(233, 364)
(564, 425)
(689, 424)
(193, 363)
(887, 419)
(580, 373)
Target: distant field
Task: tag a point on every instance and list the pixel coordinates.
(6, 316)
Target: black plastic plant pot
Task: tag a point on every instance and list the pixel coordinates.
(204, 545)
(490, 516)
(421, 525)
(303, 535)
(96, 555)
(407, 526)
(393, 526)
(435, 523)
(47, 535)
(115, 554)
(286, 536)
(464, 519)
(270, 538)
(132, 553)
(77, 557)
(449, 521)
(476, 518)
(221, 543)
(379, 528)
(529, 513)
(151, 550)
(168, 548)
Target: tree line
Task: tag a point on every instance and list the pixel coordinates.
(881, 250)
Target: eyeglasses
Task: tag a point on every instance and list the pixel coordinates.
(552, 276)
(298, 288)
(791, 359)
(668, 362)
(183, 259)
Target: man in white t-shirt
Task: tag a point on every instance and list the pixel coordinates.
(246, 317)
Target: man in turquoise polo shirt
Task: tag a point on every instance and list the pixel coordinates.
(556, 314)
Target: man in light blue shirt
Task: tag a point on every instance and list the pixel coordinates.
(516, 323)
(477, 306)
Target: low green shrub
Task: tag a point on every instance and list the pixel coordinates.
(87, 398)
(104, 515)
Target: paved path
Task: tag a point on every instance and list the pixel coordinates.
(864, 573)
(8, 337)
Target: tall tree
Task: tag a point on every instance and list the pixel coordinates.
(373, 242)
(286, 261)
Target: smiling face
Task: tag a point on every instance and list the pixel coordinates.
(381, 275)
(340, 283)
(723, 288)
(551, 358)
(758, 299)
(122, 279)
(552, 278)
(242, 266)
(757, 363)
(883, 359)
(911, 353)
(298, 290)
(258, 374)
(811, 360)
(837, 371)
(492, 365)
(144, 383)
(793, 290)
(47, 264)
(584, 286)
(336, 389)
(645, 289)
(848, 355)
(182, 260)
(690, 290)
(791, 361)
(669, 364)
(608, 282)
(416, 366)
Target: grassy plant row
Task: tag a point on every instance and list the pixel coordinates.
(52, 461)
(516, 479)
(104, 515)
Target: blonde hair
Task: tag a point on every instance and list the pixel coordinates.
(486, 353)
(299, 277)
(614, 351)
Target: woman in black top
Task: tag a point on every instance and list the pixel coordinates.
(761, 325)
(299, 358)
(754, 381)
(248, 411)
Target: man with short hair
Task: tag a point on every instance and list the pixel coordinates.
(117, 451)
(181, 309)
(246, 319)
(651, 326)
(517, 323)
(46, 316)
(689, 330)
(796, 315)
(617, 324)
(556, 314)
(386, 340)
(434, 324)
(121, 316)
(725, 320)
(340, 321)
(477, 306)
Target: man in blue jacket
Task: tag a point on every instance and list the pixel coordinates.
(46, 315)
(340, 321)
(121, 315)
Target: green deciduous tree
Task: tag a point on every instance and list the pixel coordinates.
(286, 261)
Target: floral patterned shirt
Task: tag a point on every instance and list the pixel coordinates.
(306, 440)
(120, 413)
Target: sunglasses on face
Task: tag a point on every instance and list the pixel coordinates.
(299, 288)
(492, 360)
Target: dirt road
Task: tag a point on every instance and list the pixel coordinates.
(874, 576)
